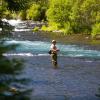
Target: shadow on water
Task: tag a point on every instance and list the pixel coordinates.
(11, 86)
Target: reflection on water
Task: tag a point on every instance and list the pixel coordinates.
(11, 87)
(14, 93)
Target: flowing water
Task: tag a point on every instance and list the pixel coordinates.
(55, 84)
(42, 47)
(40, 44)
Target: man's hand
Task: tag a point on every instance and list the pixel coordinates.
(58, 50)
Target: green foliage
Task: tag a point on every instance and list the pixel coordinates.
(67, 28)
(59, 11)
(96, 29)
(9, 8)
(74, 16)
(34, 12)
(16, 5)
(7, 14)
(5, 48)
(36, 29)
(71, 16)
(43, 13)
(23, 15)
(4, 12)
(52, 27)
(21, 6)
(7, 65)
(3, 8)
(44, 28)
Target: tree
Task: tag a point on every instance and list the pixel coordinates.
(37, 10)
(59, 12)
(34, 12)
(89, 11)
(74, 16)
(9, 67)
(16, 5)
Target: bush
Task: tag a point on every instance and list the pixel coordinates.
(36, 28)
(23, 15)
(44, 28)
(67, 29)
(95, 29)
(52, 27)
(33, 12)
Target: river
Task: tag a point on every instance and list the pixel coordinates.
(79, 65)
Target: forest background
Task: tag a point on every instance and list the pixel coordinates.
(67, 16)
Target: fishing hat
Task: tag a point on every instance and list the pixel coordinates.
(53, 41)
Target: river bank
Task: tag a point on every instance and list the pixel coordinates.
(77, 39)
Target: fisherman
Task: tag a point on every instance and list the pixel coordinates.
(54, 51)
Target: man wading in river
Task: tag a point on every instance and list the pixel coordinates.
(54, 51)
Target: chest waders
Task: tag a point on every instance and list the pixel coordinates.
(54, 59)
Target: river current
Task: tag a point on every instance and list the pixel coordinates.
(39, 45)
(75, 79)
(41, 48)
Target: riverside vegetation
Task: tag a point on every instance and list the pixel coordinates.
(66, 16)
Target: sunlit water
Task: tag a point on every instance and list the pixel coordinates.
(41, 48)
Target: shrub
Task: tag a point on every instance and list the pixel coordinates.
(36, 28)
(95, 29)
(67, 29)
(44, 28)
(23, 15)
(52, 27)
(33, 12)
